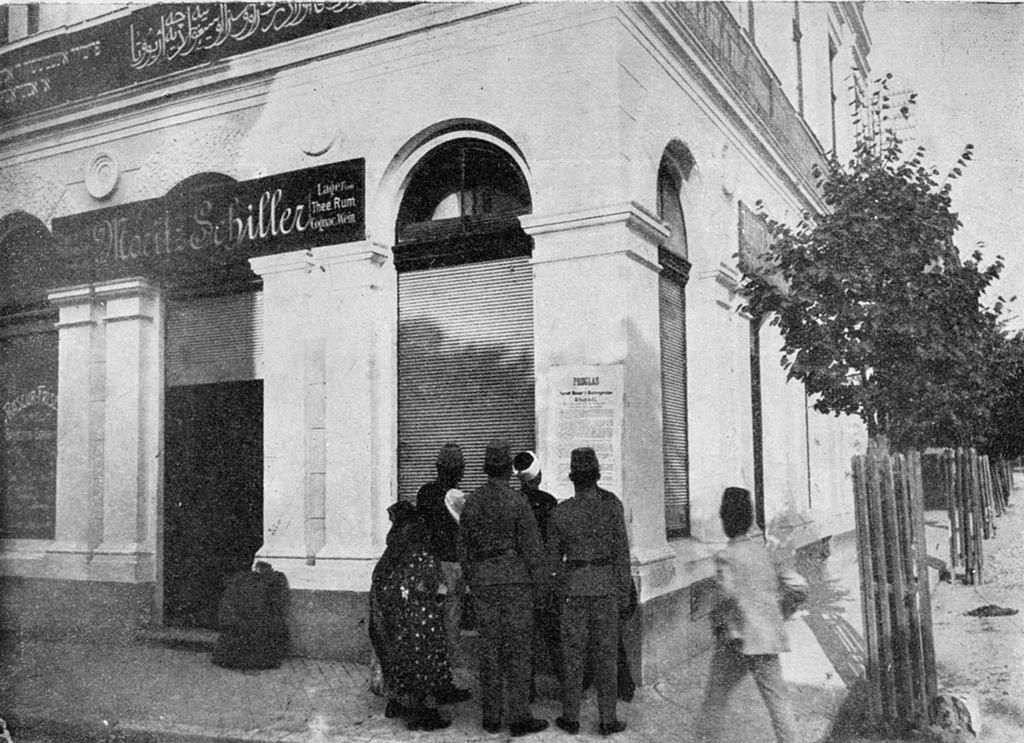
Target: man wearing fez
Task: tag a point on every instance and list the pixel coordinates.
(440, 502)
(545, 609)
(589, 550)
(501, 555)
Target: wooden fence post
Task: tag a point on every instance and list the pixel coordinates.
(868, 587)
(894, 541)
(909, 545)
(924, 587)
(879, 560)
(949, 480)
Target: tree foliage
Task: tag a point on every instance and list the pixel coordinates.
(880, 315)
(1005, 438)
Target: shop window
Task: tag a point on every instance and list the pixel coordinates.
(28, 430)
(672, 312)
(28, 378)
(465, 311)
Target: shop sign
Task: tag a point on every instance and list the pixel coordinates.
(28, 435)
(586, 404)
(214, 229)
(154, 40)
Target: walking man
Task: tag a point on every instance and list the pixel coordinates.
(747, 622)
(439, 502)
(589, 549)
(501, 554)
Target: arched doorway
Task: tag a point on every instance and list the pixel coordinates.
(465, 310)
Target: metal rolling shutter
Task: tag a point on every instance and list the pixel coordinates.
(214, 339)
(465, 365)
(673, 395)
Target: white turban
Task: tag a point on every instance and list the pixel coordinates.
(525, 475)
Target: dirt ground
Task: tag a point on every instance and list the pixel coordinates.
(981, 657)
(984, 656)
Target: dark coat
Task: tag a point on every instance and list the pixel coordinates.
(444, 529)
(252, 617)
(588, 547)
(542, 504)
(499, 541)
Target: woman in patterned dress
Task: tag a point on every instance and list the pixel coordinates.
(407, 621)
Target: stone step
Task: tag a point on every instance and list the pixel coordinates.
(200, 640)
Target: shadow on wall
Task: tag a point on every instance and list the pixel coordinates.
(832, 610)
(468, 392)
(828, 607)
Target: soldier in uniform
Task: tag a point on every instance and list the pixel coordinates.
(501, 554)
(589, 551)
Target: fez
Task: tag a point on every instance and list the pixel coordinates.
(583, 465)
(498, 457)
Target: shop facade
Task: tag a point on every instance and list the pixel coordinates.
(254, 280)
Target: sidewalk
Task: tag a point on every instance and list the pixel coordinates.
(65, 691)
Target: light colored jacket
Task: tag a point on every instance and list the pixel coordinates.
(747, 605)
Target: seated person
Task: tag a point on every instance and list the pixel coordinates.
(253, 619)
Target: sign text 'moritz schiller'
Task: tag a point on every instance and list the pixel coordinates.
(210, 230)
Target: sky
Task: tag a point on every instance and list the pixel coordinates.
(965, 60)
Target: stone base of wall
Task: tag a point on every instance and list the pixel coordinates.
(670, 630)
(74, 611)
(323, 624)
(330, 624)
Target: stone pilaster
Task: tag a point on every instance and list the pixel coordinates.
(78, 513)
(133, 376)
(329, 398)
(360, 326)
(611, 320)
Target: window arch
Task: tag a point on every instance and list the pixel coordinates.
(462, 191)
(673, 170)
(29, 266)
(670, 208)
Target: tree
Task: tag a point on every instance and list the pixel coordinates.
(880, 317)
(1005, 438)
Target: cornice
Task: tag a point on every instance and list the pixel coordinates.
(256, 69)
(634, 215)
(693, 68)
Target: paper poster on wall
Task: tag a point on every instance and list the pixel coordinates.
(586, 410)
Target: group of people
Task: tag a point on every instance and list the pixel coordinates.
(554, 575)
(538, 571)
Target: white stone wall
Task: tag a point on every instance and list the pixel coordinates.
(586, 99)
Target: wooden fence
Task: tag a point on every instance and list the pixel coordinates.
(900, 657)
(977, 491)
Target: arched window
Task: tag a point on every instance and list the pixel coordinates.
(675, 269)
(465, 310)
